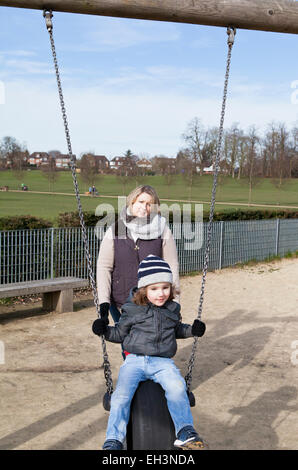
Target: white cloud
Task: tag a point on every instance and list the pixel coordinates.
(160, 78)
(28, 67)
(18, 53)
(116, 34)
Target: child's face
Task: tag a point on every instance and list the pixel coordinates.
(158, 293)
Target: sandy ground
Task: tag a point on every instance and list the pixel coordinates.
(245, 375)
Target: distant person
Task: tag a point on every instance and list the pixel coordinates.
(90, 190)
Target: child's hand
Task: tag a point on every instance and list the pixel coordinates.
(198, 328)
(100, 326)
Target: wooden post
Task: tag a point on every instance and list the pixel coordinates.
(59, 301)
(266, 15)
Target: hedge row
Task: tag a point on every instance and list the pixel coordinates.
(23, 222)
(71, 219)
(254, 215)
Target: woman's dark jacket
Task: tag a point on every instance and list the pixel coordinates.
(128, 255)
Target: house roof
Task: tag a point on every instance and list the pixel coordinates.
(101, 158)
(144, 161)
(37, 154)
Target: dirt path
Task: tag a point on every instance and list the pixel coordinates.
(245, 379)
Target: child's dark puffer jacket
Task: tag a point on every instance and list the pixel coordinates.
(149, 330)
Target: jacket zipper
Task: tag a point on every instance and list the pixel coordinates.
(158, 333)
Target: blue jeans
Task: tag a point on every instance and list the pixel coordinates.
(136, 369)
(115, 312)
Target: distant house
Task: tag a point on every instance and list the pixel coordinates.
(122, 162)
(38, 159)
(208, 170)
(145, 164)
(63, 161)
(164, 165)
(99, 162)
(116, 162)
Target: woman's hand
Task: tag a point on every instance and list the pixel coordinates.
(104, 310)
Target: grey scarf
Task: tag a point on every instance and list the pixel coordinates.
(145, 228)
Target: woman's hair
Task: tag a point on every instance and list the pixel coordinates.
(134, 194)
(140, 296)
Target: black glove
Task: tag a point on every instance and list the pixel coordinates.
(100, 326)
(104, 310)
(198, 328)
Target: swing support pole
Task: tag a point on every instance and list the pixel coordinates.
(265, 15)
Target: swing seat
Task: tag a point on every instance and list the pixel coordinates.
(150, 426)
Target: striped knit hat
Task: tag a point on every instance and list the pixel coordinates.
(152, 270)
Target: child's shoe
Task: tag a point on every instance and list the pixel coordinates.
(188, 439)
(112, 444)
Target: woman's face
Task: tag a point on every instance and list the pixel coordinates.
(142, 205)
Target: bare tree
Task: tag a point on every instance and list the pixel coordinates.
(169, 177)
(50, 172)
(19, 164)
(54, 153)
(139, 175)
(270, 148)
(8, 146)
(282, 151)
(242, 154)
(183, 158)
(124, 175)
(201, 144)
(293, 157)
(232, 147)
(223, 175)
(130, 156)
(88, 169)
(294, 167)
(251, 170)
(282, 154)
(14, 155)
(195, 137)
(186, 167)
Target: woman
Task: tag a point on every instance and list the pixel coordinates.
(139, 231)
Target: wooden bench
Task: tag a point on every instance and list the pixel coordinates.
(57, 293)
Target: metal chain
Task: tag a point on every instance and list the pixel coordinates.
(231, 36)
(106, 364)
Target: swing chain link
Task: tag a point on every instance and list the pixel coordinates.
(231, 36)
(48, 15)
(106, 364)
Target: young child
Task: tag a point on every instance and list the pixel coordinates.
(148, 327)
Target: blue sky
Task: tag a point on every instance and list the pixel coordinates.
(134, 84)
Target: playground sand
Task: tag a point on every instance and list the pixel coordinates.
(244, 379)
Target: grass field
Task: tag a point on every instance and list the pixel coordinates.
(49, 206)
